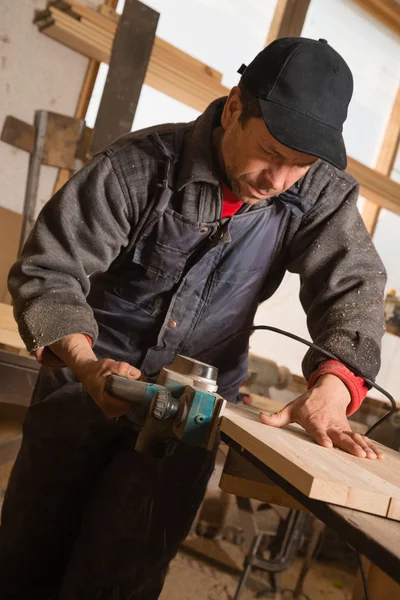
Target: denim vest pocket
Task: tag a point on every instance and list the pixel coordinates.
(160, 260)
(152, 277)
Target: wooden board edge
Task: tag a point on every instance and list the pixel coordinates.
(246, 488)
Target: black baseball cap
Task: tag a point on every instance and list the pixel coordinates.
(304, 88)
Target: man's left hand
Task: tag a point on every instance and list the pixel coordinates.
(322, 413)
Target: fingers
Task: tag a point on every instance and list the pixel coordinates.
(124, 369)
(356, 444)
(371, 450)
(319, 435)
(379, 454)
(107, 366)
(278, 419)
(344, 441)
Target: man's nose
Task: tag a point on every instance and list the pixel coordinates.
(276, 177)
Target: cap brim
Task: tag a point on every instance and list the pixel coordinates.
(304, 134)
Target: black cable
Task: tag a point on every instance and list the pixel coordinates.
(363, 576)
(319, 349)
(332, 357)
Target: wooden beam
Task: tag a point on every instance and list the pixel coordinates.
(130, 57)
(170, 70)
(63, 139)
(10, 231)
(288, 19)
(376, 187)
(85, 95)
(385, 11)
(385, 163)
(18, 133)
(9, 335)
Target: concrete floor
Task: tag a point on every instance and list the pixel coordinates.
(193, 579)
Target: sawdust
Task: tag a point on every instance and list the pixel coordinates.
(192, 579)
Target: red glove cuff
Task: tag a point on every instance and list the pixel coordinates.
(356, 385)
(47, 358)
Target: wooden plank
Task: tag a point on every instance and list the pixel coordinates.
(170, 70)
(87, 89)
(80, 28)
(370, 215)
(241, 478)
(59, 33)
(288, 19)
(385, 163)
(109, 12)
(92, 15)
(323, 474)
(18, 133)
(9, 335)
(10, 232)
(376, 538)
(84, 98)
(80, 113)
(376, 187)
(63, 140)
(385, 11)
(128, 65)
(390, 144)
(97, 29)
(169, 53)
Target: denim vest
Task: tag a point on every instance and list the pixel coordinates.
(185, 286)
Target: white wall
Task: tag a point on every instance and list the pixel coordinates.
(36, 72)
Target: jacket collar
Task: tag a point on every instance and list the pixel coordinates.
(196, 162)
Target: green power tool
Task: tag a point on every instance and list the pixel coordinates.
(182, 406)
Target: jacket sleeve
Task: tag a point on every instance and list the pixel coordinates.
(342, 282)
(80, 231)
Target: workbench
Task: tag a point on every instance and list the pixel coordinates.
(245, 474)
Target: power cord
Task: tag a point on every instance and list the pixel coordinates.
(332, 357)
(319, 349)
(363, 576)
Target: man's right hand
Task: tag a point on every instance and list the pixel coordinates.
(93, 377)
(75, 351)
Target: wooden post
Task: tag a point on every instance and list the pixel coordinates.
(130, 56)
(385, 11)
(288, 19)
(83, 101)
(384, 165)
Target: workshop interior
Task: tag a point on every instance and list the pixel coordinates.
(282, 517)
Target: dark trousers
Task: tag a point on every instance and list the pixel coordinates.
(86, 517)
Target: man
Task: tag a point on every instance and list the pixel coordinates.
(165, 243)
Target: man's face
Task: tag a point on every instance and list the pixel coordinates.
(257, 166)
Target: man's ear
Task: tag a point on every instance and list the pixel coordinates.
(232, 109)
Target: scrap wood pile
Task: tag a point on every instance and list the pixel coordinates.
(170, 70)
